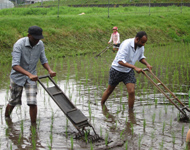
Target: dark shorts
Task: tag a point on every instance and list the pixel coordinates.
(117, 76)
(116, 45)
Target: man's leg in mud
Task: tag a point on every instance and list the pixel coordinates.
(131, 92)
(107, 93)
(8, 110)
(33, 113)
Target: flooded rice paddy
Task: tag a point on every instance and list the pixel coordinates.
(153, 124)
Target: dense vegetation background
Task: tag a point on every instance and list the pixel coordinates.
(69, 33)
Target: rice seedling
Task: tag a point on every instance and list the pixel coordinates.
(22, 126)
(123, 107)
(33, 129)
(106, 139)
(11, 146)
(121, 134)
(19, 138)
(7, 131)
(126, 145)
(91, 146)
(71, 142)
(126, 119)
(156, 102)
(116, 124)
(86, 77)
(153, 118)
(86, 136)
(100, 131)
(182, 131)
(178, 116)
(144, 125)
(51, 129)
(187, 146)
(49, 146)
(89, 110)
(111, 105)
(118, 109)
(162, 144)
(120, 100)
(173, 137)
(172, 108)
(152, 135)
(139, 141)
(132, 129)
(144, 92)
(39, 121)
(171, 122)
(143, 111)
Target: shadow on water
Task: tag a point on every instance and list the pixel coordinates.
(21, 140)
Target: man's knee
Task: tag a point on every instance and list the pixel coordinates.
(110, 89)
(130, 88)
(131, 91)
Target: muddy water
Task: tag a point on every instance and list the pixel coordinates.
(151, 125)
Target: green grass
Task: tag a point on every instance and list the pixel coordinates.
(72, 34)
(86, 2)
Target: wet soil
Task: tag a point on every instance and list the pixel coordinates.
(153, 124)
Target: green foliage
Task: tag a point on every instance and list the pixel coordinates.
(83, 2)
(72, 34)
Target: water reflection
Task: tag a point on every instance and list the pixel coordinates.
(18, 138)
(107, 114)
(130, 120)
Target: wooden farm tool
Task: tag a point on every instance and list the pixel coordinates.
(104, 50)
(174, 100)
(77, 118)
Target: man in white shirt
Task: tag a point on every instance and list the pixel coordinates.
(123, 66)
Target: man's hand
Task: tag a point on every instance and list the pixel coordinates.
(52, 73)
(138, 70)
(149, 67)
(33, 77)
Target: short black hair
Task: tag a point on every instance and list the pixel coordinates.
(141, 34)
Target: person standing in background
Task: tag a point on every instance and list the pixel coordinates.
(115, 37)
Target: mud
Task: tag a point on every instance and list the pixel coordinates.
(151, 125)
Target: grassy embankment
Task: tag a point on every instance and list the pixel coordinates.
(73, 34)
(86, 2)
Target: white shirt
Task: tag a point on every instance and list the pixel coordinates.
(115, 37)
(127, 53)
